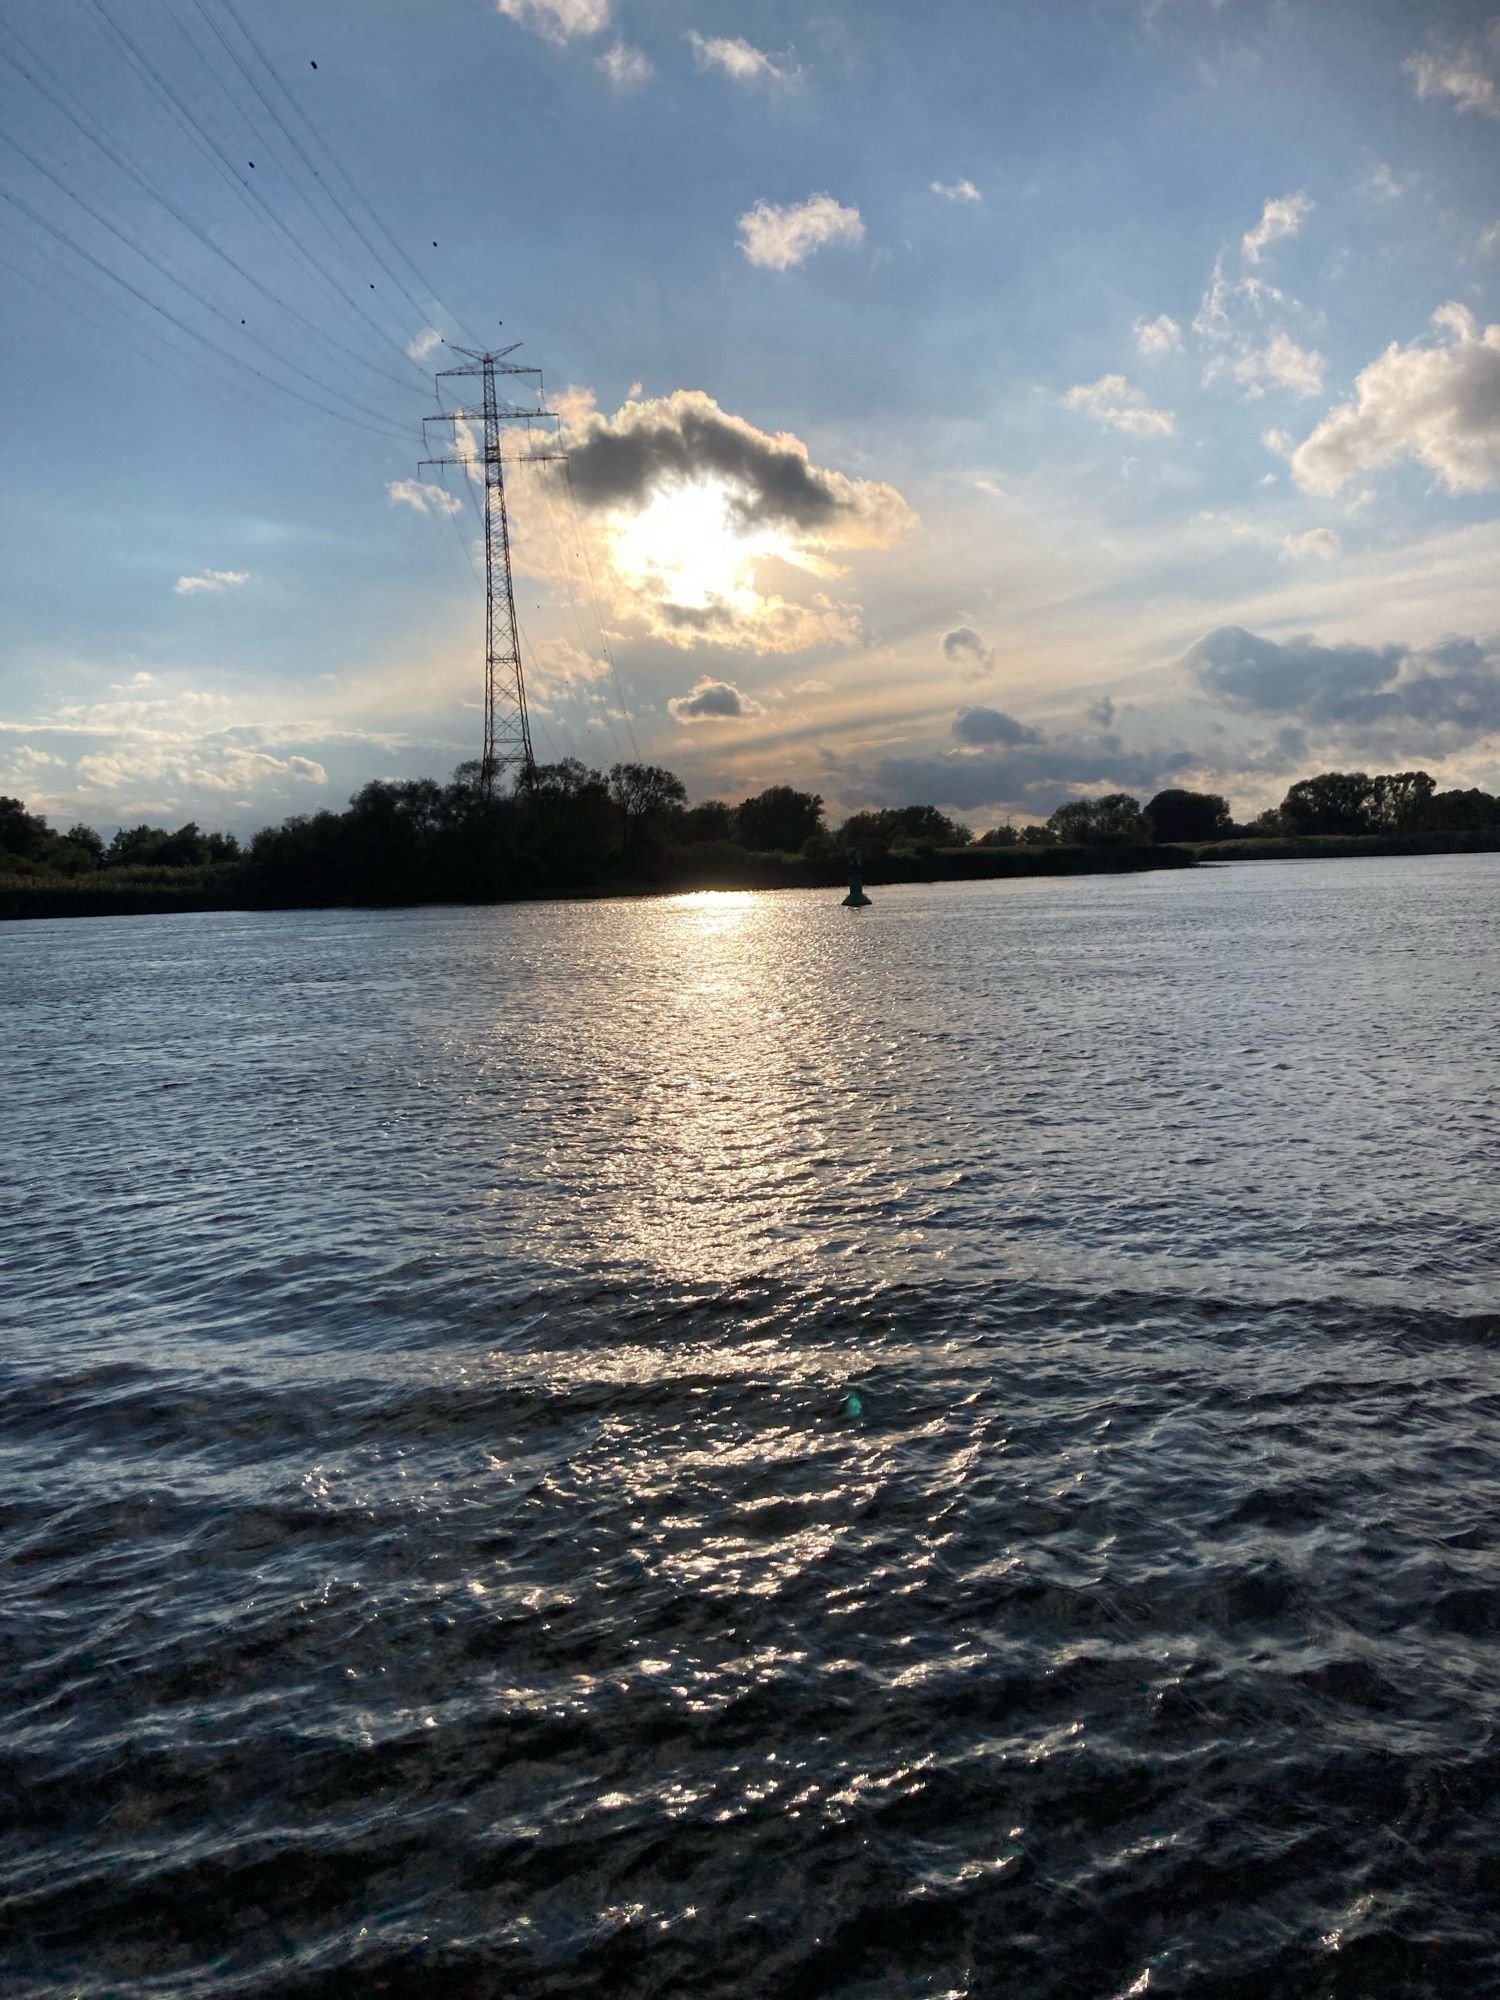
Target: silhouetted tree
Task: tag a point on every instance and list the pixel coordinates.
(1459, 812)
(649, 800)
(568, 825)
(998, 836)
(713, 820)
(22, 832)
(1399, 801)
(779, 818)
(158, 847)
(1334, 802)
(1180, 815)
(878, 831)
(87, 841)
(1114, 820)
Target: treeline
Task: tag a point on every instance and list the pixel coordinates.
(573, 828)
(1336, 802)
(28, 844)
(1352, 802)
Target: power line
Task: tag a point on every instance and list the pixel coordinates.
(379, 417)
(593, 593)
(563, 542)
(214, 384)
(191, 291)
(58, 94)
(230, 175)
(334, 161)
(262, 144)
(296, 144)
(192, 332)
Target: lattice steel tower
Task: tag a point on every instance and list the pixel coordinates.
(507, 730)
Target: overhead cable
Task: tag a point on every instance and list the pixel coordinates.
(234, 14)
(232, 177)
(58, 98)
(192, 291)
(192, 332)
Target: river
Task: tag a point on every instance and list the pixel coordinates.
(723, 1446)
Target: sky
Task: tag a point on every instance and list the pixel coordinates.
(981, 405)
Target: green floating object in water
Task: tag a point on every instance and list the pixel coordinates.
(856, 898)
(853, 1405)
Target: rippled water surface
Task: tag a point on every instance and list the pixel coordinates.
(727, 1447)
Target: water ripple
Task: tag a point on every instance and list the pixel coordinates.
(709, 1449)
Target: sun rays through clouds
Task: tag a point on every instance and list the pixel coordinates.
(704, 528)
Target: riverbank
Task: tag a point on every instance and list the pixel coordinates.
(183, 891)
(138, 892)
(1345, 846)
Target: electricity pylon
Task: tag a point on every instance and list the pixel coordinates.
(507, 729)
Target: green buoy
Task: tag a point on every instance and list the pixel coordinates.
(856, 898)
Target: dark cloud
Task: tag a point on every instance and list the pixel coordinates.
(1102, 711)
(991, 725)
(1452, 687)
(713, 701)
(1031, 777)
(668, 441)
(966, 648)
(1324, 683)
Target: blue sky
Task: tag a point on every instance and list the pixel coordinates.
(1011, 404)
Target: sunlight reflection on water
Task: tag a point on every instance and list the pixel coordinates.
(723, 1445)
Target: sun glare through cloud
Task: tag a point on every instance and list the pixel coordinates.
(690, 546)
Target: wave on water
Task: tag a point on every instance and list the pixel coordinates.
(777, 1639)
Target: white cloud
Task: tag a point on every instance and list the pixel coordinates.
(740, 59)
(1439, 404)
(713, 701)
(242, 769)
(1382, 184)
(1281, 364)
(424, 343)
(1281, 442)
(1156, 337)
(558, 20)
(961, 190)
(1235, 317)
(813, 687)
(626, 68)
(1466, 74)
(1111, 400)
(1228, 302)
(425, 498)
(558, 669)
(777, 238)
(211, 582)
(1280, 217)
(1321, 542)
(1489, 240)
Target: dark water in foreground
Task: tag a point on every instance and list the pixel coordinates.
(440, 1556)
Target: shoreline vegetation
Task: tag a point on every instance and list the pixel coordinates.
(578, 833)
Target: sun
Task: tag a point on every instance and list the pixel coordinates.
(689, 547)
